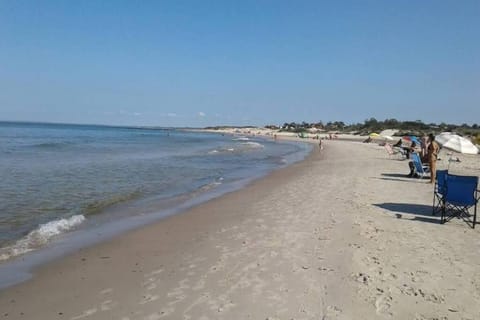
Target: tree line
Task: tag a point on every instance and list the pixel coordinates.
(417, 127)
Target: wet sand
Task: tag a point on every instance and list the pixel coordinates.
(341, 235)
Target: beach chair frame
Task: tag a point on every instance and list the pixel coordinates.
(461, 194)
(421, 169)
(439, 191)
(394, 151)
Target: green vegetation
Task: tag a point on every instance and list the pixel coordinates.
(476, 139)
(373, 125)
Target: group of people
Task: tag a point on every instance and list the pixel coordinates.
(429, 149)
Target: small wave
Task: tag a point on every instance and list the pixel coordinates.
(241, 139)
(211, 185)
(221, 150)
(208, 186)
(50, 145)
(98, 206)
(253, 145)
(238, 148)
(40, 236)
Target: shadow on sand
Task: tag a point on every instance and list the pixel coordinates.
(406, 176)
(395, 175)
(421, 212)
(400, 177)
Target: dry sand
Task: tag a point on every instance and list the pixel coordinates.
(341, 235)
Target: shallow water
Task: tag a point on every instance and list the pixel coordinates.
(57, 178)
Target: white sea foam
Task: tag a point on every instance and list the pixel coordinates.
(40, 236)
(241, 139)
(239, 147)
(221, 150)
(212, 184)
(253, 145)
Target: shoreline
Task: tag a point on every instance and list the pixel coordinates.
(340, 235)
(96, 230)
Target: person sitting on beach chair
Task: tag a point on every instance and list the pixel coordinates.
(419, 168)
(368, 140)
(409, 149)
(393, 150)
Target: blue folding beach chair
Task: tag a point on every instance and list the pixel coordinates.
(422, 170)
(439, 191)
(461, 194)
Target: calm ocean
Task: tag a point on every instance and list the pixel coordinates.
(57, 179)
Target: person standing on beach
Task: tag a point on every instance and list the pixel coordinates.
(423, 146)
(432, 153)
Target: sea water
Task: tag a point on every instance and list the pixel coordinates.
(60, 179)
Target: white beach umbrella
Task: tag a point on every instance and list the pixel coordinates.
(456, 143)
(443, 137)
(388, 138)
(388, 132)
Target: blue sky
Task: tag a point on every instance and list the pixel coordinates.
(198, 63)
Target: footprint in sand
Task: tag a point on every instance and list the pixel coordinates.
(383, 304)
(179, 290)
(225, 306)
(326, 269)
(277, 277)
(151, 287)
(332, 312)
(178, 299)
(273, 254)
(361, 277)
(86, 313)
(149, 284)
(148, 298)
(106, 291)
(199, 285)
(430, 297)
(160, 314)
(422, 317)
(153, 273)
(107, 305)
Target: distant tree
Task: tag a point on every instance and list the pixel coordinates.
(371, 125)
(416, 127)
(371, 122)
(271, 127)
(390, 123)
(339, 125)
(319, 125)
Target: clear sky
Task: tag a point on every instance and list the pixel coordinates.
(198, 63)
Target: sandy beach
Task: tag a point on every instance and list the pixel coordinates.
(341, 235)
